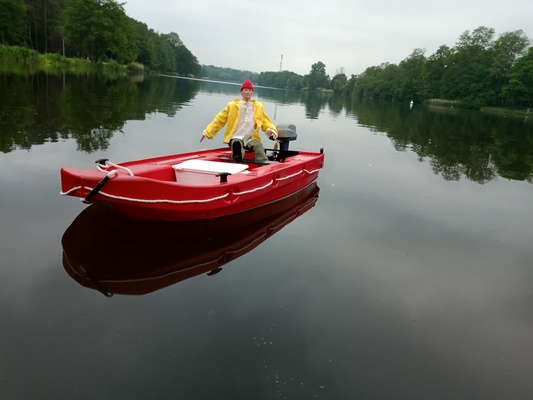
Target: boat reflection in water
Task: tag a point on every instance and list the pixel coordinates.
(104, 251)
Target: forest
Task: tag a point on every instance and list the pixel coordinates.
(480, 69)
(96, 30)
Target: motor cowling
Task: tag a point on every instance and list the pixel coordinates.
(286, 134)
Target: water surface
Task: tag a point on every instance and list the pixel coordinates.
(410, 277)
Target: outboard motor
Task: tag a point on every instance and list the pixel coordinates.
(286, 133)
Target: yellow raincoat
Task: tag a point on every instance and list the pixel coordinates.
(229, 116)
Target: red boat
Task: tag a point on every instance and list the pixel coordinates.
(198, 185)
(105, 251)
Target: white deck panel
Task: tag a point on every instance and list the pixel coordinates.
(209, 166)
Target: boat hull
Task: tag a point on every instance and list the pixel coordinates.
(164, 188)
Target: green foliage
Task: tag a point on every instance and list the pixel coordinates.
(12, 22)
(281, 80)
(434, 69)
(155, 52)
(465, 77)
(317, 78)
(21, 58)
(519, 90)
(99, 29)
(338, 83)
(43, 33)
(380, 82)
(17, 54)
(412, 73)
(478, 71)
(226, 74)
(186, 64)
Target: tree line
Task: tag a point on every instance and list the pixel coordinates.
(480, 70)
(97, 30)
(316, 79)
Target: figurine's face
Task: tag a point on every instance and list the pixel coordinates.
(247, 94)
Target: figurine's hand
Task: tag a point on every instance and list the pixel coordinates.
(272, 134)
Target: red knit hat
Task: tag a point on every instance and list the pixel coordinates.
(247, 84)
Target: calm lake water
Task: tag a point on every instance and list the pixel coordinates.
(410, 277)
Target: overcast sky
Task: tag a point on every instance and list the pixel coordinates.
(349, 34)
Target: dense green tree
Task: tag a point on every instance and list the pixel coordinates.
(350, 86)
(367, 81)
(508, 48)
(164, 59)
(338, 83)
(317, 78)
(12, 22)
(43, 25)
(382, 81)
(174, 39)
(146, 42)
(287, 80)
(227, 74)
(412, 75)
(155, 52)
(392, 82)
(100, 29)
(434, 68)
(505, 51)
(95, 29)
(185, 62)
(480, 38)
(121, 37)
(281, 80)
(519, 90)
(267, 78)
(466, 77)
